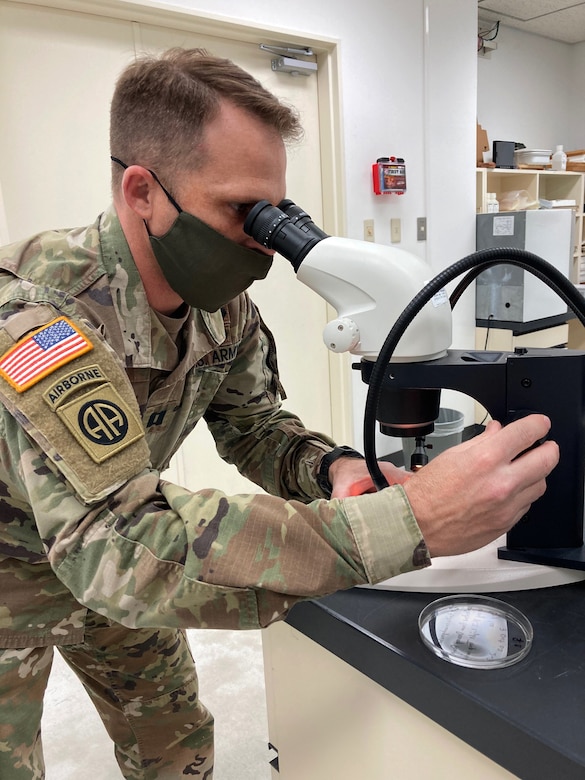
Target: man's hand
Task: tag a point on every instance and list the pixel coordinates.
(350, 477)
(470, 494)
(473, 493)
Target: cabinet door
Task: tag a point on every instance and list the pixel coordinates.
(329, 721)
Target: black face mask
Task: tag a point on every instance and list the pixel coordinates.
(205, 268)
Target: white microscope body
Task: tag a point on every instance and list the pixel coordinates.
(369, 285)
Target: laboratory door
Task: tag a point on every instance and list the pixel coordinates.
(58, 70)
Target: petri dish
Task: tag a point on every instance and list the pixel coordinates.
(475, 631)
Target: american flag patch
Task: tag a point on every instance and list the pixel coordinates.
(42, 352)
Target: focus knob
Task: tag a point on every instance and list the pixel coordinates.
(341, 335)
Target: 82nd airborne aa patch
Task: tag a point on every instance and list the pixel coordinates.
(101, 422)
(97, 416)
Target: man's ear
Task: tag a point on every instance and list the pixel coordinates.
(139, 190)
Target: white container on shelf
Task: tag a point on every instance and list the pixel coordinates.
(559, 160)
(536, 157)
(492, 205)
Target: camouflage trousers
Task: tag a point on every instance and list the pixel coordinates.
(144, 686)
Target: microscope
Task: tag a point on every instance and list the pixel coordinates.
(397, 319)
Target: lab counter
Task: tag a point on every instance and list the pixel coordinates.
(525, 720)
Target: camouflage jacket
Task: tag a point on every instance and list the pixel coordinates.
(96, 397)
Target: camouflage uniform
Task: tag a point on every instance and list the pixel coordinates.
(101, 557)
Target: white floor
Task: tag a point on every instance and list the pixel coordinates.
(231, 679)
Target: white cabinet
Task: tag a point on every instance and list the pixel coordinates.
(329, 721)
(534, 185)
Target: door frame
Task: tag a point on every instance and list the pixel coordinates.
(332, 167)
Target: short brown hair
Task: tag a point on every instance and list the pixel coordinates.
(161, 105)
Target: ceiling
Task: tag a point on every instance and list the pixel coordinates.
(560, 20)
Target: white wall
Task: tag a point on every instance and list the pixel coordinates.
(381, 75)
(577, 104)
(408, 76)
(450, 119)
(530, 90)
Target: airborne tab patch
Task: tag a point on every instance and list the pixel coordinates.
(42, 352)
(67, 384)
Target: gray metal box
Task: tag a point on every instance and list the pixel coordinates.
(508, 293)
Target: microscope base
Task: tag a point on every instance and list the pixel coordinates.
(481, 571)
(565, 557)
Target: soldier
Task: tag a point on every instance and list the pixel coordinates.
(115, 339)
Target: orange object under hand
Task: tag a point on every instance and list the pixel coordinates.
(361, 486)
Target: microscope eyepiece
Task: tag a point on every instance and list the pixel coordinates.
(292, 237)
(300, 218)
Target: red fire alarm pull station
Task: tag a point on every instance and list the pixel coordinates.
(389, 176)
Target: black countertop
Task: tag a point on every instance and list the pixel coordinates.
(529, 717)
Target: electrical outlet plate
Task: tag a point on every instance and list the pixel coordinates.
(395, 231)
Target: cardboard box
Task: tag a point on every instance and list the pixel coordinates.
(576, 160)
(482, 144)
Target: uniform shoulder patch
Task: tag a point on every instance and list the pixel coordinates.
(101, 421)
(81, 412)
(42, 352)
